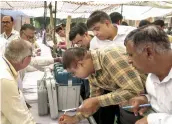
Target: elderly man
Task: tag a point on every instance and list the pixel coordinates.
(149, 50)
(27, 33)
(17, 56)
(9, 33)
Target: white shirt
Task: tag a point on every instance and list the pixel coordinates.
(160, 97)
(13, 106)
(122, 32)
(3, 42)
(14, 35)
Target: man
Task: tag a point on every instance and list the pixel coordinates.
(9, 33)
(13, 107)
(61, 32)
(79, 36)
(107, 69)
(116, 18)
(149, 50)
(143, 23)
(107, 34)
(161, 24)
(27, 33)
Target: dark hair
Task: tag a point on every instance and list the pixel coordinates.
(63, 25)
(12, 19)
(124, 23)
(72, 24)
(159, 22)
(149, 34)
(72, 55)
(97, 16)
(116, 17)
(27, 26)
(143, 23)
(58, 29)
(79, 28)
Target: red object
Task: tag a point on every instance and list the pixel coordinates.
(62, 43)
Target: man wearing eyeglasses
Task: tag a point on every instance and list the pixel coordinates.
(27, 32)
(80, 36)
(9, 32)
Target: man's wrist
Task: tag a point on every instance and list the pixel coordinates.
(76, 119)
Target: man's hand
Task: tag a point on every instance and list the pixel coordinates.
(66, 119)
(136, 101)
(142, 121)
(89, 106)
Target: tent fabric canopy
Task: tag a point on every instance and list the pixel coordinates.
(135, 10)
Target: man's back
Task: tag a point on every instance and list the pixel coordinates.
(113, 73)
(13, 106)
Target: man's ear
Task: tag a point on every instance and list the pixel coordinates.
(149, 52)
(86, 33)
(107, 22)
(119, 22)
(80, 63)
(25, 59)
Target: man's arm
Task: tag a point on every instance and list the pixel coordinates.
(41, 61)
(159, 118)
(94, 91)
(12, 105)
(126, 78)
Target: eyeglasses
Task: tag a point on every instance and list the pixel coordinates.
(5, 22)
(28, 37)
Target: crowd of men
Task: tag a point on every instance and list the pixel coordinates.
(122, 66)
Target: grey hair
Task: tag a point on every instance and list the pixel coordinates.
(149, 34)
(17, 50)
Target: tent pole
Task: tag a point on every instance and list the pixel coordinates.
(21, 20)
(121, 9)
(45, 19)
(68, 22)
(54, 38)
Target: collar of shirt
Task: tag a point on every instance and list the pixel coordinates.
(155, 79)
(12, 32)
(13, 71)
(96, 62)
(122, 30)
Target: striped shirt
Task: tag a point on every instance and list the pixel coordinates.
(113, 73)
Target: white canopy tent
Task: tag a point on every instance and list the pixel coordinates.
(132, 10)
